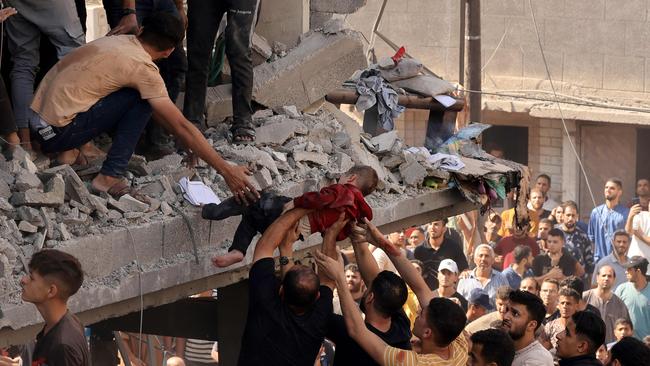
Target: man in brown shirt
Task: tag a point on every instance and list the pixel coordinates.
(112, 85)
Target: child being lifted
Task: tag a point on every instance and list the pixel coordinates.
(345, 196)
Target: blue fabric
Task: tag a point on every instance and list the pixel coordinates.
(466, 285)
(513, 277)
(603, 223)
(638, 304)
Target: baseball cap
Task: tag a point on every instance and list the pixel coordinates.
(449, 265)
(636, 261)
(478, 296)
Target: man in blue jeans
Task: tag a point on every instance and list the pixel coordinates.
(113, 85)
(124, 17)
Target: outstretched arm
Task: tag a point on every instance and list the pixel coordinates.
(276, 233)
(367, 264)
(410, 275)
(369, 341)
(286, 248)
(329, 247)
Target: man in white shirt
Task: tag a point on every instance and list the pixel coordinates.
(523, 318)
(638, 226)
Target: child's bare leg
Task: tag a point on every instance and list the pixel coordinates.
(233, 256)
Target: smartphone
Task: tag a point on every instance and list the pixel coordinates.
(636, 201)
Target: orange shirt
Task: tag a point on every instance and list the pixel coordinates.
(507, 218)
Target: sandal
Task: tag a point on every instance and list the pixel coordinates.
(243, 136)
(118, 190)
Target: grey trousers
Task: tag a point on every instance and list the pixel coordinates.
(59, 21)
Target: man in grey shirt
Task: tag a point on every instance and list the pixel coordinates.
(616, 259)
(611, 307)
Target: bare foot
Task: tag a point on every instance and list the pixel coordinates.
(91, 152)
(225, 260)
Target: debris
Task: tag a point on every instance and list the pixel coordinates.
(168, 163)
(262, 51)
(385, 142)
(334, 25)
(276, 133)
(5, 191)
(165, 208)
(65, 234)
(53, 195)
(26, 180)
(138, 166)
(133, 215)
(337, 6)
(130, 204)
(26, 227)
(412, 173)
(31, 215)
(314, 157)
(263, 179)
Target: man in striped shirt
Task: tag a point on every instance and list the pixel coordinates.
(438, 327)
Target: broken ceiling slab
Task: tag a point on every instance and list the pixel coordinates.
(337, 6)
(318, 65)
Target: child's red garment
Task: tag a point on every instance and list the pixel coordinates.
(330, 202)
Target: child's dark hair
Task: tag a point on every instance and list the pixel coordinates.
(162, 30)
(367, 178)
(64, 269)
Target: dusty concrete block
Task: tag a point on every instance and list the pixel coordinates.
(342, 163)
(75, 188)
(412, 173)
(53, 196)
(130, 204)
(317, 19)
(65, 234)
(168, 162)
(114, 215)
(283, 21)
(334, 25)
(288, 110)
(98, 203)
(5, 205)
(5, 192)
(276, 133)
(218, 103)
(26, 180)
(47, 223)
(337, 6)
(133, 215)
(385, 141)
(263, 113)
(262, 179)
(31, 215)
(261, 48)
(320, 63)
(81, 207)
(26, 227)
(392, 161)
(6, 176)
(314, 157)
(138, 166)
(119, 206)
(165, 208)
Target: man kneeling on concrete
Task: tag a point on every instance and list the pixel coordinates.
(112, 85)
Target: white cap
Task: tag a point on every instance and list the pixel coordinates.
(449, 265)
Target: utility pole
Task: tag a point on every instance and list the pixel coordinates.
(472, 80)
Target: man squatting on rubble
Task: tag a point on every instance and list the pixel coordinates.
(345, 196)
(112, 85)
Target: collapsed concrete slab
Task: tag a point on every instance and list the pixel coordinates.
(320, 63)
(337, 6)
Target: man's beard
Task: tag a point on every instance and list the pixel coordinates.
(569, 225)
(516, 334)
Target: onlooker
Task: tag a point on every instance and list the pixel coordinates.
(622, 328)
(567, 306)
(204, 18)
(483, 276)
(638, 226)
(607, 218)
(382, 305)
(355, 285)
(575, 240)
(520, 269)
(123, 17)
(448, 280)
(437, 247)
(491, 229)
(197, 352)
(629, 352)
(416, 238)
(175, 361)
(530, 284)
(557, 215)
(88, 93)
(636, 295)
(505, 246)
(536, 204)
(617, 259)
(578, 342)
(543, 184)
(496, 317)
(556, 257)
(642, 194)
(549, 293)
(577, 285)
(478, 304)
(602, 354)
(524, 316)
(545, 225)
(611, 307)
(438, 328)
(55, 276)
(491, 347)
(59, 22)
(287, 318)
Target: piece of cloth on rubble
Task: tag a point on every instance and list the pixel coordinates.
(330, 202)
(446, 162)
(373, 89)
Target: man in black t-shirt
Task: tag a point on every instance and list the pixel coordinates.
(53, 277)
(556, 257)
(435, 248)
(287, 318)
(381, 303)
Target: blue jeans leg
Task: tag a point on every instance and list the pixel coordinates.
(122, 114)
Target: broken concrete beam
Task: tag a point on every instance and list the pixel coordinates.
(314, 157)
(261, 48)
(53, 196)
(320, 64)
(130, 204)
(337, 6)
(284, 21)
(218, 103)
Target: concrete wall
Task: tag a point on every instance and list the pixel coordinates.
(601, 44)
